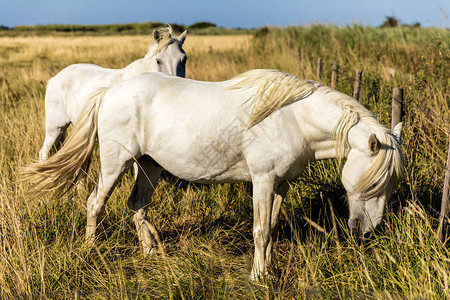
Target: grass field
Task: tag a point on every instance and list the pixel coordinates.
(206, 232)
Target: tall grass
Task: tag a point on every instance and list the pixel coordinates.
(206, 241)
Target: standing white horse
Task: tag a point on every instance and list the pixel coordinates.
(262, 126)
(68, 91)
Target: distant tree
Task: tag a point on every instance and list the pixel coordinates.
(262, 32)
(202, 25)
(391, 21)
(3, 27)
(155, 24)
(178, 27)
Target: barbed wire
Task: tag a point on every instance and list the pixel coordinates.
(427, 111)
(406, 145)
(437, 214)
(424, 110)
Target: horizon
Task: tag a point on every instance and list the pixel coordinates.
(232, 14)
(225, 27)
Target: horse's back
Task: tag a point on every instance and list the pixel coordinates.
(198, 130)
(157, 100)
(78, 75)
(70, 88)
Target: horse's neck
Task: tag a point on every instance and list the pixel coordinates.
(320, 118)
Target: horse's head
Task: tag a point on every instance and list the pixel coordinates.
(370, 176)
(166, 53)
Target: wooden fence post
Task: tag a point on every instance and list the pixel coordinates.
(397, 106)
(334, 75)
(445, 209)
(358, 80)
(319, 68)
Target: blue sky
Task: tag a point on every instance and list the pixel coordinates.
(230, 13)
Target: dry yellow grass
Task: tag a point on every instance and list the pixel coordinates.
(220, 42)
(206, 233)
(106, 51)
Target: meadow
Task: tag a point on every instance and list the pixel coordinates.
(206, 244)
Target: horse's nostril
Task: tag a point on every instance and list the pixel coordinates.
(367, 235)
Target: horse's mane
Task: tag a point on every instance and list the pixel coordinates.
(274, 89)
(165, 40)
(388, 165)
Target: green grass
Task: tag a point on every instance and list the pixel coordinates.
(117, 29)
(206, 232)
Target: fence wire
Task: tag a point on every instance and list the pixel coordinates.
(422, 110)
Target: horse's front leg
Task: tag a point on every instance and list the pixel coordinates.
(147, 176)
(263, 195)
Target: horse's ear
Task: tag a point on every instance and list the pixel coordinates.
(182, 37)
(374, 144)
(397, 132)
(156, 35)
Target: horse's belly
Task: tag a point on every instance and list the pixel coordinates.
(210, 163)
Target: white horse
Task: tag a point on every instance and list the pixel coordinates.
(262, 126)
(68, 91)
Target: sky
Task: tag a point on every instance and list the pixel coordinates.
(230, 13)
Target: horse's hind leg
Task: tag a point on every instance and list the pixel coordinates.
(280, 194)
(56, 122)
(53, 132)
(147, 176)
(114, 162)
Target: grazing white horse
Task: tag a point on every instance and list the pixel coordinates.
(262, 126)
(68, 91)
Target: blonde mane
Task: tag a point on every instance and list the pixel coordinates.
(165, 40)
(388, 166)
(274, 89)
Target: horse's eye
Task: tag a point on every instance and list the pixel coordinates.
(158, 62)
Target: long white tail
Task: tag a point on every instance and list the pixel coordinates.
(67, 166)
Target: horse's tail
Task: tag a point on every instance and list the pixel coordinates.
(71, 163)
